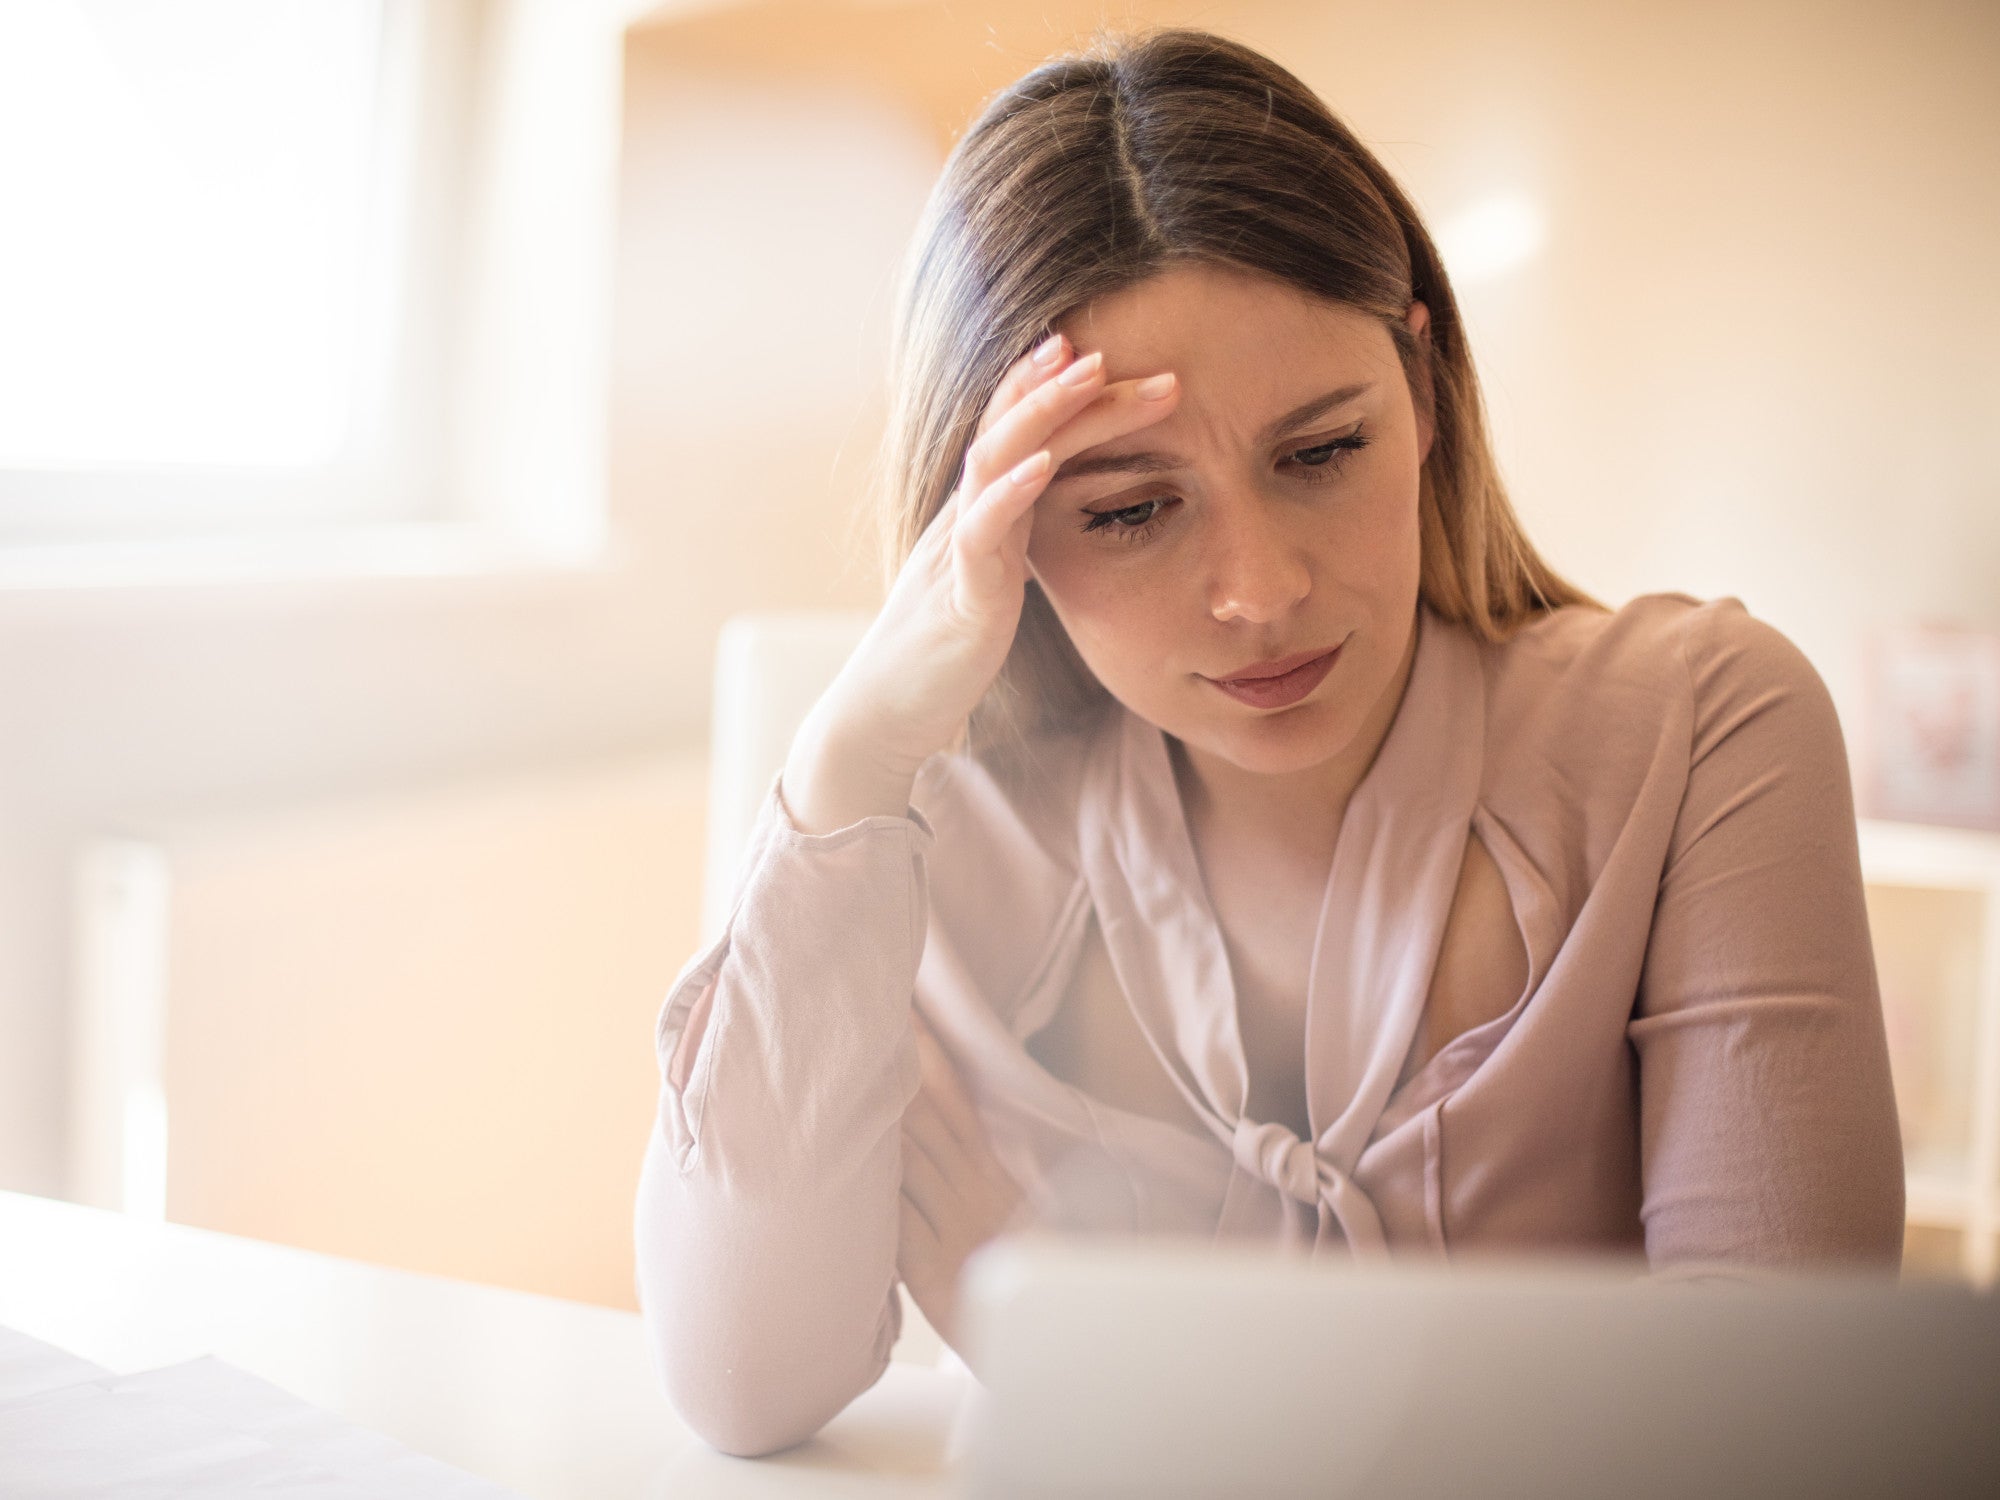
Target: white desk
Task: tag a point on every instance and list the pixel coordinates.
(553, 1399)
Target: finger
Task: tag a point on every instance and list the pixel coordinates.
(1121, 408)
(922, 1121)
(925, 1131)
(937, 531)
(1030, 370)
(1118, 411)
(921, 1261)
(948, 1095)
(967, 1184)
(925, 1180)
(978, 531)
(947, 1098)
(932, 1063)
(991, 473)
(919, 1234)
(1027, 425)
(926, 1037)
(1002, 1188)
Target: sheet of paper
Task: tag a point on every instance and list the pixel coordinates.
(29, 1365)
(203, 1427)
(221, 1392)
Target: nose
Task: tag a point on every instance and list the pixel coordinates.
(1258, 572)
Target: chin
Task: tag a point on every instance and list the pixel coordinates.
(1296, 739)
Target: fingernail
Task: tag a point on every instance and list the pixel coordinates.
(1030, 468)
(1154, 386)
(1082, 370)
(1048, 349)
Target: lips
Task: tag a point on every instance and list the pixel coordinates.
(1284, 689)
(1276, 667)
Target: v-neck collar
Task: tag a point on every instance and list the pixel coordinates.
(1381, 923)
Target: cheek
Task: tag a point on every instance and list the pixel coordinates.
(1069, 575)
(1389, 525)
(1376, 536)
(1092, 613)
(1051, 549)
(1110, 613)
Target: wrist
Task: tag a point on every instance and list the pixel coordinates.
(832, 779)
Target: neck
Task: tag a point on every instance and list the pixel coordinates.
(1301, 810)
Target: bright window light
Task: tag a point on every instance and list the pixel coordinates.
(184, 189)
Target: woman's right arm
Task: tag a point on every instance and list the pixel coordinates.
(769, 1203)
(766, 1222)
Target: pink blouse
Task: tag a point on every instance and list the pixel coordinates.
(1696, 1071)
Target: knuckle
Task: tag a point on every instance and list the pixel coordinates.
(1055, 398)
(1005, 399)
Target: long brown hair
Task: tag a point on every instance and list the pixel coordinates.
(1094, 172)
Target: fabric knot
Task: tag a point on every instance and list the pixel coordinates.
(1295, 1168)
(1279, 1157)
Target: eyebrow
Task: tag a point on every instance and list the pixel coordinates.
(1152, 461)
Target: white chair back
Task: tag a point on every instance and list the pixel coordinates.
(770, 669)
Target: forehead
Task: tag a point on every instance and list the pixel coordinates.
(1196, 315)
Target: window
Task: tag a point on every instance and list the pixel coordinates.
(220, 282)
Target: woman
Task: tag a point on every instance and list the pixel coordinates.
(1319, 868)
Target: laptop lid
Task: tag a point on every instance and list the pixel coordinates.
(1167, 1368)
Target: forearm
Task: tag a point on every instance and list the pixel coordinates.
(768, 1310)
(766, 1220)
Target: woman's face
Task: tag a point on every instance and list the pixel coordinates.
(1273, 512)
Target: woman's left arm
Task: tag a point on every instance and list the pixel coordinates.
(1768, 1126)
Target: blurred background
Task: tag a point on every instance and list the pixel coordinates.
(396, 397)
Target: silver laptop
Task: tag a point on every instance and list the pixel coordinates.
(1164, 1369)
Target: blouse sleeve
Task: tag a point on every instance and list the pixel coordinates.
(1768, 1126)
(766, 1221)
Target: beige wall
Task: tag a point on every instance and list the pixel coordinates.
(1759, 355)
(1760, 352)
(413, 1030)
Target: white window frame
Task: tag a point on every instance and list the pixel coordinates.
(490, 432)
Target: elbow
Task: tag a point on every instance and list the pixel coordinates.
(742, 1425)
(750, 1408)
(762, 1321)
(746, 1373)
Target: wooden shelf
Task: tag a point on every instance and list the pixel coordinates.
(1939, 1203)
(1953, 1184)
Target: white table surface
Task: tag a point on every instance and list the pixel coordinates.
(550, 1398)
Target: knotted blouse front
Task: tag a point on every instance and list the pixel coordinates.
(1695, 1073)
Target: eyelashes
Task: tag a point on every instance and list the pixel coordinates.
(1317, 465)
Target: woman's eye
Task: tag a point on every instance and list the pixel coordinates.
(1328, 458)
(1127, 521)
(1317, 464)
